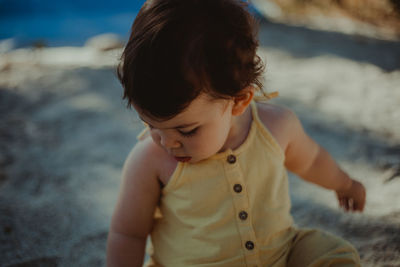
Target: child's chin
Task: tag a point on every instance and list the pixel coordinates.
(183, 159)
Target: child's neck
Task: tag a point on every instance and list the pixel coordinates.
(239, 131)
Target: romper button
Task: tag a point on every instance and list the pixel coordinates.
(249, 245)
(243, 215)
(231, 159)
(237, 188)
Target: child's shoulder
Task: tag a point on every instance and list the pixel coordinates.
(279, 120)
(140, 191)
(140, 158)
(272, 112)
(147, 160)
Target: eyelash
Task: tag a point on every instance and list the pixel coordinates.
(190, 133)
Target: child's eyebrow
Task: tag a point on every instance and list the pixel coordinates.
(176, 127)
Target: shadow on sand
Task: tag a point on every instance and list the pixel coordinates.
(306, 43)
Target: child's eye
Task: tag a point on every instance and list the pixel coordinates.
(190, 133)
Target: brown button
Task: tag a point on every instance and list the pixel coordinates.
(237, 188)
(243, 215)
(249, 245)
(231, 159)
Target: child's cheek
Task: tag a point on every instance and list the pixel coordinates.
(210, 143)
(199, 143)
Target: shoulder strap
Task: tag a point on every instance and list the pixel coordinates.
(265, 97)
(143, 134)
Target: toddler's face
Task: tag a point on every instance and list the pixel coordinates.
(197, 133)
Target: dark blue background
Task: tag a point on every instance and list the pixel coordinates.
(64, 22)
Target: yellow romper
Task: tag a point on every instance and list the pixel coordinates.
(233, 209)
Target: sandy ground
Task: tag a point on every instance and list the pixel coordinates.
(65, 132)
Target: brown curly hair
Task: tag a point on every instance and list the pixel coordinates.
(180, 48)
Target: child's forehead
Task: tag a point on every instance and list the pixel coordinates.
(198, 111)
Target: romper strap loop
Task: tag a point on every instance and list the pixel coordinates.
(265, 97)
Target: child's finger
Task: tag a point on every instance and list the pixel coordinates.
(350, 202)
(347, 203)
(358, 206)
(341, 203)
(344, 203)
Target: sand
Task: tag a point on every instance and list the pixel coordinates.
(65, 132)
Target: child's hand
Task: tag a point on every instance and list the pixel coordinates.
(352, 199)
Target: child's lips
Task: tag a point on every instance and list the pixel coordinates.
(183, 159)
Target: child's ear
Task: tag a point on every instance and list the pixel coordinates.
(242, 100)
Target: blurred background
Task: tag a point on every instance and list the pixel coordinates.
(65, 131)
(62, 23)
(351, 16)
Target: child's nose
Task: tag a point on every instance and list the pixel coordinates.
(169, 142)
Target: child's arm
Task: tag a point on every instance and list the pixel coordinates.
(133, 216)
(310, 161)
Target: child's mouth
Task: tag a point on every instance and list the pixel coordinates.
(183, 159)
